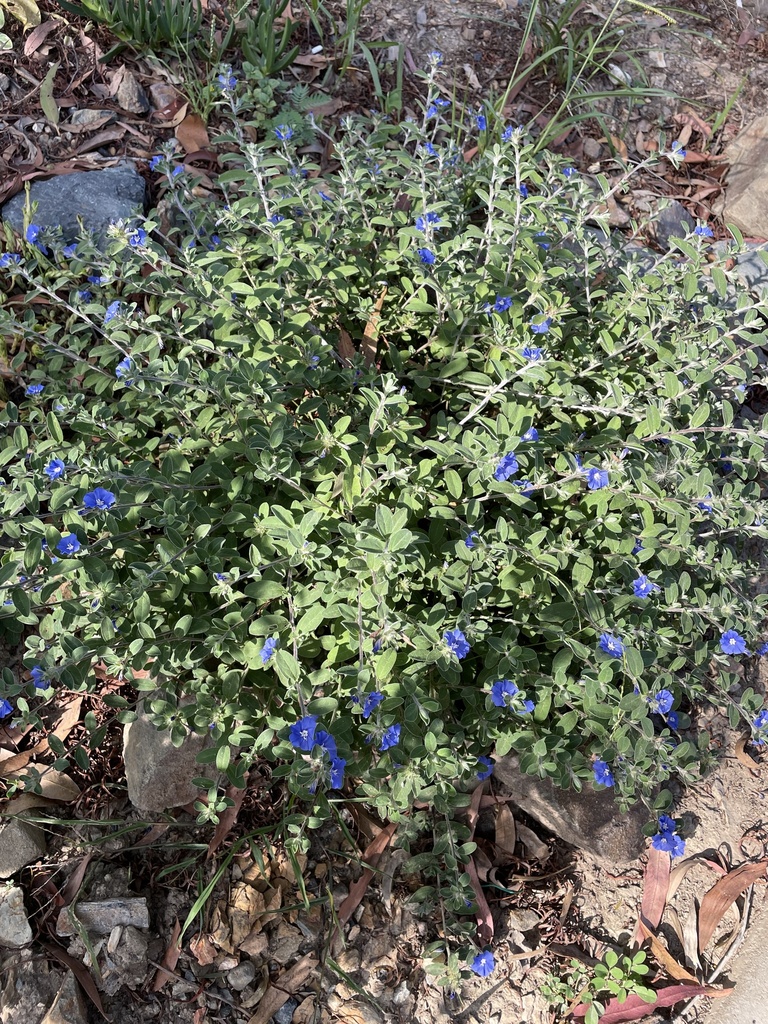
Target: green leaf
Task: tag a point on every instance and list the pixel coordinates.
(47, 102)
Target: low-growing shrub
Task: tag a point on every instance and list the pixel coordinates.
(387, 470)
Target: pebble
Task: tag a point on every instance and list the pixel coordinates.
(592, 149)
(15, 931)
(285, 1014)
(241, 976)
(130, 95)
(20, 843)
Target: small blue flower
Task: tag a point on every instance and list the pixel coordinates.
(481, 122)
(100, 498)
(326, 197)
(39, 678)
(542, 327)
(597, 479)
(34, 389)
(506, 468)
(221, 577)
(568, 172)
(611, 645)
(502, 693)
(431, 111)
(376, 646)
(327, 742)
(762, 650)
(506, 135)
(638, 547)
(761, 722)
(68, 545)
(426, 256)
(643, 587)
(390, 738)
(6, 708)
(372, 701)
(55, 469)
(428, 147)
(673, 719)
(284, 132)
(502, 303)
(526, 487)
(428, 218)
(123, 368)
(137, 237)
(336, 779)
(113, 310)
(533, 353)
(471, 538)
(732, 643)
(661, 702)
(678, 150)
(177, 170)
(703, 231)
(302, 733)
(69, 251)
(487, 770)
(155, 162)
(531, 434)
(434, 58)
(97, 279)
(84, 295)
(9, 259)
(227, 82)
(269, 648)
(483, 964)
(523, 190)
(457, 643)
(32, 235)
(666, 839)
(542, 239)
(276, 218)
(603, 774)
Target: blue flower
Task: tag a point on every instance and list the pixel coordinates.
(327, 742)
(506, 135)
(542, 327)
(302, 733)
(568, 172)
(761, 722)
(502, 303)
(227, 82)
(428, 218)
(638, 546)
(34, 389)
(97, 279)
(39, 678)
(502, 693)
(68, 545)
(155, 162)
(481, 122)
(435, 59)
(284, 132)
(678, 150)
(100, 498)
(69, 251)
(55, 469)
(338, 765)
(376, 646)
(597, 478)
(542, 242)
(643, 587)
(706, 505)
(673, 719)
(431, 111)
(470, 539)
(84, 295)
(113, 310)
(732, 643)
(531, 434)
(661, 702)
(221, 577)
(177, 170)
(426, 256)
(703, 231)
(137, 237)
(612, 645)
(6, 708)
(506, 468)
(487, 770)
(603, 774)
(762, 650)
(666, 839)
(457, 643)
(372, 701)
(428, 147)
(526, 488)
(390, 738)
(8, 259)
(32, 235)
(276, 218)
(269, 648)
(483, 964)
(213, 243)
(123, 368)
(523, 190)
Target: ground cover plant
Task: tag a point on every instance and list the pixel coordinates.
(389, 471)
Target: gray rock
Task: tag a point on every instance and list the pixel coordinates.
(285, 1014)
(87, 116)
(97, 198)
(588, 820)
(592, 149)
(27, 988)
(14, 926)
(68, 1005)
(746, 197)
(673, 221)
(20, 844)
(751, 267)
(101, 917)
(128, 965)
(130, 95)
(240, 977)
(160, 775)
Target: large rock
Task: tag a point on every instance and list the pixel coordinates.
(589, 820)
(27, 988)
(160, 775)
(98, 198)
(99, 918)
(746, 196)
(15, 931)
(68, 1005)
(673, 221)
(20, 844)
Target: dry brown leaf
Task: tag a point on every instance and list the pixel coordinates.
(203, 949)
(221, 933)
(37, 37)
(290, 981)
(506, 836)
(483, 914)
(80, 971)
(170, 959)
(246, 905)
(655, 889)
(177, 118)
(690, 117)
(101, 139)
(193, 134)
(305, 1011)
(684, 135)
(535, 847)
(665, 958)
(722, 894)
(371, 857)
(634, 1008)
(69, 719)
(371, 332)
(346, 347)
(743, 757)
(227, 819)
(620, 146)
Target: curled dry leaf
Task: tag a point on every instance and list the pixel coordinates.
(37, 37)
(663, 957)
(722, 894)
(193, 134)
(506, 835)
(202, 948)
(289, 982)
(170, 959)
(535, 848)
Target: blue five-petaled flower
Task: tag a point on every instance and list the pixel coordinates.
(487, 770)
(611, 645)
(506, 468)
(603, 774)
(55, 469)
(99, 498)
(68, 545)
(390, 738)
(483, 964)
(457, 643)
(269, 648)
(371, 702)
(732, 642)
(302, 733)
(666, 839)
(643, 587)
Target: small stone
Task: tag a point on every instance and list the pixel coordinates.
(285, 1014)
(100, 918)
(89, 116)
(15, 931)
(240, 977)
(285, 942)
(592, 149)
(162, 95)
(522, 920)
(68, 1005)
(673, 221)
(128, 965)
(130, 95)
(5, 83)
(20, 844)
